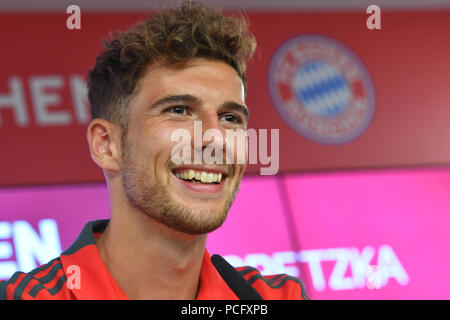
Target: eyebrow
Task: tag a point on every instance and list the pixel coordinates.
(185, 98)
(188, 98)
(236, 107)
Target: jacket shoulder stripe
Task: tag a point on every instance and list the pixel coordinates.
(279, 285)
(3, 290)
(53, 291)
(276, 278)
(252, 278)
(14, 277)
(247, 270)
(34, 291)
(51, 275)
(43, 267)
(4, 285)
(58, 285)
(18, 291)
(274, 282)
(278, 281)
(270, 282)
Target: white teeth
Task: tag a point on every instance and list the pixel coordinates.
(203, 176)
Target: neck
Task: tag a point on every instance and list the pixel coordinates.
(149, 260)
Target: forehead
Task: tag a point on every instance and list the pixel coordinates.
(207, 79)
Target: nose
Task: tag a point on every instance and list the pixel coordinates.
(210, 122)
(212, 137)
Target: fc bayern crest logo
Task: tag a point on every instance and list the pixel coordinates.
(321, 89)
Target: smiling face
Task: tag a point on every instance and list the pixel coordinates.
(193, 199)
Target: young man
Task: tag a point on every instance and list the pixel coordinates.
(183, 65)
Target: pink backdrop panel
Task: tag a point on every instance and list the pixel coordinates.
(398, 218)
(70, 205)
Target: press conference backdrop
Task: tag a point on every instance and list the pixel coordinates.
(359, 208)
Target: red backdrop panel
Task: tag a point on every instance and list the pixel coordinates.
(41, 64)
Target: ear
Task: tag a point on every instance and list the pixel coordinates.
(104, 144)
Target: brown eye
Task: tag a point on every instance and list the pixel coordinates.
(177, 109)
(232, 118)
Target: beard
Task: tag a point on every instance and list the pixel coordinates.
(150, 195)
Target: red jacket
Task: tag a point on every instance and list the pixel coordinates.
(54, 280)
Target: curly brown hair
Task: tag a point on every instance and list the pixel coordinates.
(173, 37)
